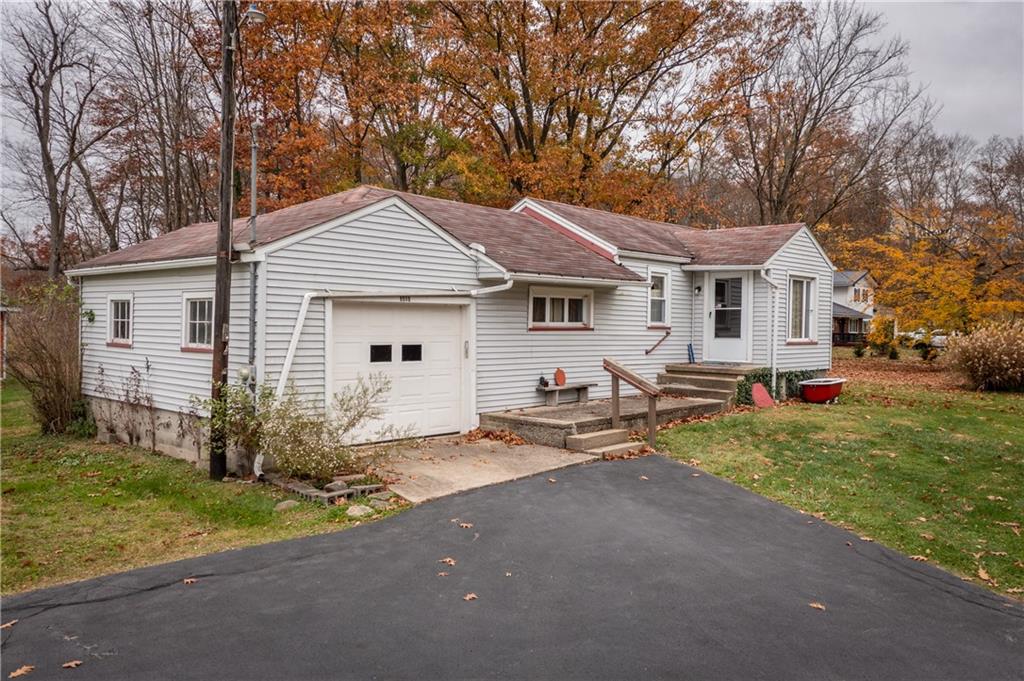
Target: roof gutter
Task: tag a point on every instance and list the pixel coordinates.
(201, 261)
(558, 280)
(722, 268)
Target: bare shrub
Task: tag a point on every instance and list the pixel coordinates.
(307, 444)
(992, 357)
(42, 352)
(240, 411)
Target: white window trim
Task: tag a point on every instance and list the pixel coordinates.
(810, 324)
(186, 296)
(548, 292)
(667, 273)
(120, 297)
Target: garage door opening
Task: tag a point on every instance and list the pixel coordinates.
(420, 347)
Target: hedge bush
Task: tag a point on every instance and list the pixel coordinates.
(992, 357)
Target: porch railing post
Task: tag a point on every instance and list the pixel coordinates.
(652, 420)
(615, 401)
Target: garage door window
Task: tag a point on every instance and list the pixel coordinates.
(380, 353)
(412, 353)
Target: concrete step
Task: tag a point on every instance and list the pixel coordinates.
(700, 380)
(738, 370)
(598, 438)
(684, 390)
(616, 450)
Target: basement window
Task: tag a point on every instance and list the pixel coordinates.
(560, 309)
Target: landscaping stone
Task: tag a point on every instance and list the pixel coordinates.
(385, 495)
(332, 497)
(335, 486)
(349, 477)
(286, 504)
(379, 504)
(358, 511)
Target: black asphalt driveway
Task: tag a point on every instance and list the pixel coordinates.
(618, 570)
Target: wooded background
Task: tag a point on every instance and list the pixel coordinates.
(709, 113)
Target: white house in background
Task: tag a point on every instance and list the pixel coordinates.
(853, 306)
(463, 306)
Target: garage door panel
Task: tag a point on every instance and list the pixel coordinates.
(423, 348)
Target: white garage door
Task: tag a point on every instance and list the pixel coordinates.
(419, 346)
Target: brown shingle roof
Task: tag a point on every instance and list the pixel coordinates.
(516, 242)
(737, 245)
(624, 231)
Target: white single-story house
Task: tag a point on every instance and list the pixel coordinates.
(465, 307)
(853, 306)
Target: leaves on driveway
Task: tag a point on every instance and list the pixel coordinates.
(72, 664)
(8, 625)
(920, 559)
(465, 526)
(189, 580)
(816, 605)
(469, 597)
(447, 560)
(21, 671)
(552, 480)
(442, 574)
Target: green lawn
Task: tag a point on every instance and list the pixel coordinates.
(933, 473)
(74, 508)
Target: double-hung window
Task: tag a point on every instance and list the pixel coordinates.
(552, 308)
(119, 320)
(197, 321)
(659, 298)
(801, 309)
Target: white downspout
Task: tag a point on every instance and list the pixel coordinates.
(774, 325)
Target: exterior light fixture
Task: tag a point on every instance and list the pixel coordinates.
(254, 15)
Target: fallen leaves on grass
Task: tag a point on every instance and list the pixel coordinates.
(506, 436)
(448, 560)
(72, 664)
(21, 671)
(1014, 526)
(8, 625)
(920, 559)
(984, 575)
(469, 597)
(927, 536)
(816, 605)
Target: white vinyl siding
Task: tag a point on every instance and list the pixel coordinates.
(385, 249)
(800, 258)
(510, 358)
(173, 376)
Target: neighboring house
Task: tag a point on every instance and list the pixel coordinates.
(463, 306)
(853, 306)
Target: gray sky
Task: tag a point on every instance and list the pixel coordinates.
(972, 56)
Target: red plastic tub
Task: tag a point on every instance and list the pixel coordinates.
(821, 390)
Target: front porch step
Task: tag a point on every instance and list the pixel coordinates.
(616, 450)
(738, 370)
(700, 380)
(598, 438)
(683, 390)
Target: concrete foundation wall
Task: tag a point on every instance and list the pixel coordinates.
(161, 430)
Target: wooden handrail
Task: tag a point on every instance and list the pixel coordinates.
(660, 341)
(631, 377)
(643, 385)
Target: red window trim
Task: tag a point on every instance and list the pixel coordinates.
(660, 327)
(802, 342)
(119, 344)
(207, 351)
(560, 328)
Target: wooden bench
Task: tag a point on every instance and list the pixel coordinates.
(552, 391)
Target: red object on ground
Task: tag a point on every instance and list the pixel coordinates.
(559, 377)
(820, 390)
(760, 396)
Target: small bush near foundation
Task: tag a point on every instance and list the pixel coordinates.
(787, 383)
(858, 350)
(306, 444)
(241, 411)
(894, 352)
(992, 357)
(42, 352)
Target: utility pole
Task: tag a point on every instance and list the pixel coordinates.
(222, 287)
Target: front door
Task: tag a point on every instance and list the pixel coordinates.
(727, 328)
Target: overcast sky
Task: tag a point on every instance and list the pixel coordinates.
(972, 56)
